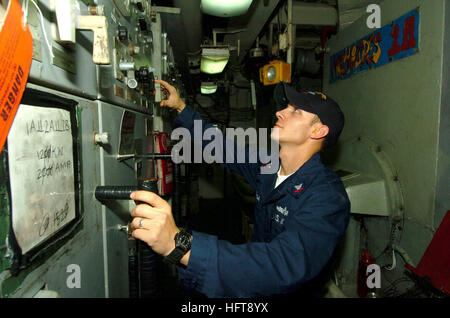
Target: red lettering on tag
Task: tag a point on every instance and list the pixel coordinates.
(409, 41)
(395, 47)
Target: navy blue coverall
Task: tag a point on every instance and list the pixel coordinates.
(296, 230)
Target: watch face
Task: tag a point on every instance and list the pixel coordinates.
(183, 240)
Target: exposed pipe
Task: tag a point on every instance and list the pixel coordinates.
(306, 62)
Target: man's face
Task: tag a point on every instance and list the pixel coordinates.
(294, 126)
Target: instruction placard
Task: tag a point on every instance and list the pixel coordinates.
(41, 173)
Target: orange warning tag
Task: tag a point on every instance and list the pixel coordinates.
(16, 52)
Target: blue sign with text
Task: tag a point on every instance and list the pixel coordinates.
(391, 42)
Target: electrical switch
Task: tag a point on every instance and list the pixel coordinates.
(133, 50)
(122, 33)
(143, 25)
(68, 19)
(143, 74)
(131, 80)
(129, 68)
(66, 14)
(146, 78)
(99, 25)
(139, 5)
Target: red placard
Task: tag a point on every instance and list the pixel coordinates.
(434, 265)
(164, 169)
(16, 52)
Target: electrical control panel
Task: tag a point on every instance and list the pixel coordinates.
(111, 50)
(103, 56)
(62, 54)
(129, 78)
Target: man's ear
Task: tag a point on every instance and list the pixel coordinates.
(320, 132)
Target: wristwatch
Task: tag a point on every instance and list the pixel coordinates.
(183, 241)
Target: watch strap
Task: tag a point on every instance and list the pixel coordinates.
(175, 256)
(180, 249)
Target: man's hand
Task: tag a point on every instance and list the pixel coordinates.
(173, 99)
(157, 227)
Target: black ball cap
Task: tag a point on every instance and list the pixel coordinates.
(323, 106)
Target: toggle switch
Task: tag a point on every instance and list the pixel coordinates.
(145, 76)
(124, 228)
(129, 68)
(122, 33)
(143, 25)
(131, 79)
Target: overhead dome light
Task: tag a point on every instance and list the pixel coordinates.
(214, 60)
(225, 8)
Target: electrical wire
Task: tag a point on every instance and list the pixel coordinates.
(391, 238)
(25, 12)
(394, 262)
(403, 254)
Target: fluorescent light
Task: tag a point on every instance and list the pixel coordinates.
(225, 8)
(208, 88)
(214, 60)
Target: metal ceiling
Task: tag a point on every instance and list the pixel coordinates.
(190, 29)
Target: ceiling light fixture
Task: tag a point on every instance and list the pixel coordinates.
(208, 88)
(225, 8)
(214, 60)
